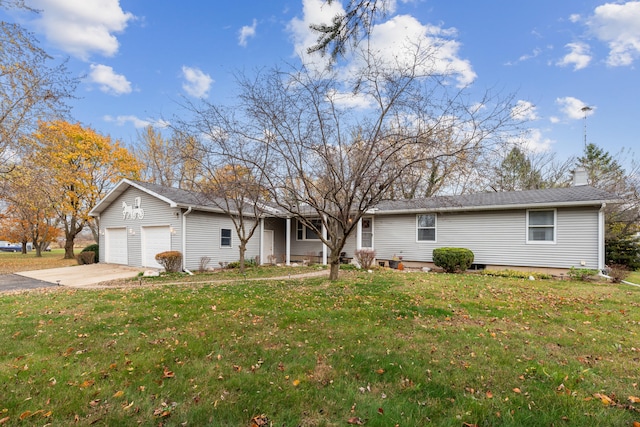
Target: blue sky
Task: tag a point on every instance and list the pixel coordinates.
(141, 58)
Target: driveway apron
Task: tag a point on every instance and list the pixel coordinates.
(15, 282)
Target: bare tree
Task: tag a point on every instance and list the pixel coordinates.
(231, 171)
(173, 161)
(327, 163)
(30, 88)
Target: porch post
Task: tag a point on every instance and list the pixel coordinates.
(287, 260)
(261, 241)
(359, 235)
(324, 246)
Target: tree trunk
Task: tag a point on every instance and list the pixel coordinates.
(334, 263)
(242, 248)
(24, 247)
(68, 248)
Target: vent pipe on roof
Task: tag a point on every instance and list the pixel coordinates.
(579, 177)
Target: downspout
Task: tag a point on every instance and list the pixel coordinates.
(601, 263)
(184, 241)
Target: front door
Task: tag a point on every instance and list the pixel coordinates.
(267, 247)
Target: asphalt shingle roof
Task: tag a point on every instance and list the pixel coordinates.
(569, 196)
(583, 195)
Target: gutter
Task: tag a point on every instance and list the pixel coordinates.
(485, 208)
(184, 240)
(601, 260)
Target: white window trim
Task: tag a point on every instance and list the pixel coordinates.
(555, 228)
(373, 244)
(230, 246)
(304, 232)
(435, 228)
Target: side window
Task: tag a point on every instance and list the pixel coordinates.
(225, 237)
(541, 226)
(306, 233)
(426, 227)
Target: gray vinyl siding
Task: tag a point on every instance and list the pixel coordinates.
(156, 213)
(495, 237)
(203, 239)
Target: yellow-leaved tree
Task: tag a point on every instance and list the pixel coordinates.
(29, 216)
(78, 167)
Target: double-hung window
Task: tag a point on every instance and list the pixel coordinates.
(308, 233)
(541, 226)
(225, 237)
(426, 224)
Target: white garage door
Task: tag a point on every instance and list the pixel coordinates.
(116, 246)
(154, 241)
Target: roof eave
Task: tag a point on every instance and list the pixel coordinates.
(497, 207)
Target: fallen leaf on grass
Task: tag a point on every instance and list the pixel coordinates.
(167, 373)
(118, 393)
(469, 425)
(259, 421)
(86, 383)
(636, 424)
(25, 414)
(517, 390)
(5, 419)
(604, 398)
(296, 383)
(355, 421)
(634, 399)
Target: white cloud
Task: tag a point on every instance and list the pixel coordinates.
(618, 25)
(397, 38)
(579, 56)
(135, 121)
(109, 81)
(197, 83)
(82, 27)
(575, 17)
(350, 100)
(246, 32)
(572, 107)
(394, 40)
(524, 111)
(533, 141)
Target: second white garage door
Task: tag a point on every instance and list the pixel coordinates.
(154, 241)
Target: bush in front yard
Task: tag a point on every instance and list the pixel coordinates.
(452, 260)
(365, 257)
(170, 260)
(86, 257)
(95, 249)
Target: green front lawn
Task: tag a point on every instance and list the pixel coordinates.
(11, 262)
(380, 349)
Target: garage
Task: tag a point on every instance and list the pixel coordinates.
(154, 240)
(116, 246)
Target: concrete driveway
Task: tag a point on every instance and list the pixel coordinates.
(82, 275)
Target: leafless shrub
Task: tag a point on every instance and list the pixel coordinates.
(204, 262)
(365, 257)
(618, 272)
